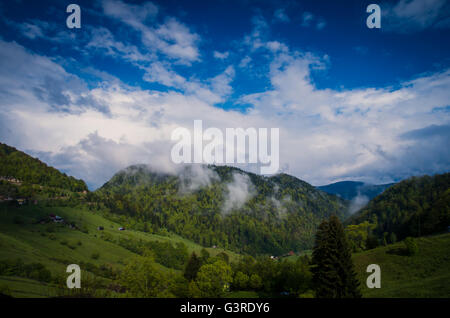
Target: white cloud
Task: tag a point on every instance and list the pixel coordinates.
(103, 39)
(158, 72)
(325, 135)
(280, 16)
(134, 15)
(245, 61)
(415, 15)
(259, 32)
(212, 90)
(352, 133)
(307, 18)
(221, 56)
(31, 31)
(221, 83)
(276, 46)
(171, 38)
(37, 29)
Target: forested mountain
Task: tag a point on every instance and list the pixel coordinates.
(351, 189)
(414, 207)
(125, 232)
(21, 168)
(224, 206)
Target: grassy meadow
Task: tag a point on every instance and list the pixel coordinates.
(56, 245)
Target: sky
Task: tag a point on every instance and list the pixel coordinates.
(351, 103)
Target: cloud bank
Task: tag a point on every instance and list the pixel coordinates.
(372, 134)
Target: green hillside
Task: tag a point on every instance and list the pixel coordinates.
(223, 206)
(56, 245)
(414, 207)
(423, 275)
(15, 164)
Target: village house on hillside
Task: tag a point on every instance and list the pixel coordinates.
(56, 218)
(11, 180)
(5, 199)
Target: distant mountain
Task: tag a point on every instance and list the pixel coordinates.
(224, 206)
(348, 190)
(16, 167)
(414, 207)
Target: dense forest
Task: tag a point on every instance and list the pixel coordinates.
(230, 208)
(17, 165)
(414, 207)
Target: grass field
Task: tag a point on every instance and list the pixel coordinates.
(426, 274)
(56, 245)
(24, 287)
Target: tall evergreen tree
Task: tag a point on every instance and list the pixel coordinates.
(334, 275)
(192, 267)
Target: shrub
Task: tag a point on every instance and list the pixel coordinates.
(95, 255)
(41, 274)
(240, 281)
(71, 246)
(163, 232)
(255, 282)
(213, 279)
(4, 290)
(18, 220)
(107, 236)
(308, 294)
(223, 256)
(17, 267)
(372, 242)
(83, 228)
(411, 246)
(50, 229)
(392, 238)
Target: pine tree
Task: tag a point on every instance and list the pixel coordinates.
(192, 267)
(334, 275)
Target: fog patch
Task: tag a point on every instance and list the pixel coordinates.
(196, 176)
(237, 192)
(280, 205)
(357, 203)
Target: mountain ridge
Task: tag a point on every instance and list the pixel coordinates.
(252, 212)
(413, 207)
(350, 189)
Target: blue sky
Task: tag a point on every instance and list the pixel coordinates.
(351, 102)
